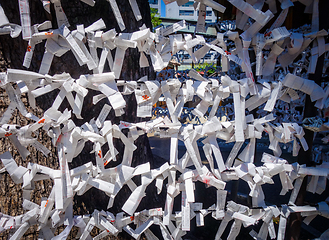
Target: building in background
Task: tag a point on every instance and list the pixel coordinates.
(172, 13)
(156, 4)
(185, 11)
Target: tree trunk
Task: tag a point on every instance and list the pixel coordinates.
(12, 53)
(305, 157)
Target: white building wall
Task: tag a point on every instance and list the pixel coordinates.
(181, 12)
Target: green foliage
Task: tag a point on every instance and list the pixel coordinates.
(208, 68)
(155, 19)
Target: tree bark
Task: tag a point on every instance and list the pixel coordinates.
(305, 157)
(12, 53)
